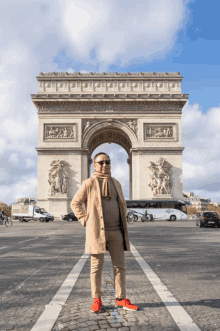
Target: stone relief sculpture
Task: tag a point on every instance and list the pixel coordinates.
(160, 177)
(159, 131)
(59, 132)
(58, 178)
(129, 108)
(88, 124)
(132, 125)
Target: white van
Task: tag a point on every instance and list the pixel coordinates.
(29, 212)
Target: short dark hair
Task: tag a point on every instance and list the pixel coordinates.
(101, 153)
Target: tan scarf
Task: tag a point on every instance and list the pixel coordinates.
(106, 178)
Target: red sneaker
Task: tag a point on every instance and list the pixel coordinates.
(125, 304)
(96, 305)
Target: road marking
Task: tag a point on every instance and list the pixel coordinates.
(180, 316)
(5, 234)
(30, 239)
(27, 240)
(198, 241)
(48, 318)
(2, 247)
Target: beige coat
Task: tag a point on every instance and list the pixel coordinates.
(89, 194)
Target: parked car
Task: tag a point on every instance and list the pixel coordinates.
(208, 219)
(70, 217)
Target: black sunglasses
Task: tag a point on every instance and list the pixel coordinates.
(102, 162)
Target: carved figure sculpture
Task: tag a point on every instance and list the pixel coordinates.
(88, 124)
(131, 125)
(65, 133)
(58, 177)
(65, 184)
(52, 187)
(160, 177)
(165, 184)
(58, 183)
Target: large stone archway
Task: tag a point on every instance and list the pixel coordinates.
(78, 112)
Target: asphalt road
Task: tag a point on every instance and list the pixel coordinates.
(36, 259)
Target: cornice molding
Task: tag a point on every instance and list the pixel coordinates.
(156, 150)
(61, 150)
(106, 97)
(108, 75)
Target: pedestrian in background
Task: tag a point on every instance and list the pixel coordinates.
(106, 228)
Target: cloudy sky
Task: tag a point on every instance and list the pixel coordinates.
(102, 35)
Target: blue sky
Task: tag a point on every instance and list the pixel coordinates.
(150, 35)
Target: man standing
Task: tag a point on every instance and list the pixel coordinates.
(106, 228)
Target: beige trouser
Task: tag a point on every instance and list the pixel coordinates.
(115, 244)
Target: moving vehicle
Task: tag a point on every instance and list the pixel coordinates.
(4, 220)
(208, 219)
(133, 215)
(169, 210)
(70, 217)
(28, 212)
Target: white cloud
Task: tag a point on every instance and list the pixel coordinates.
(124, 29)
(201, 139)
(30, 163)
(25, 187)
(13, 158)
(4, 175)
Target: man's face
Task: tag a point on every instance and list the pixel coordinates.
(100, 164)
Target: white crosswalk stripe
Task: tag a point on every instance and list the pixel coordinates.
(178, 313)
(53, 309)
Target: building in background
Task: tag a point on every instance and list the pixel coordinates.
(188, 194)
(216, 204)
(199, 203)
(27, 200)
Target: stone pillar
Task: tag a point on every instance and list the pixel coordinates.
(89, 166)
(130, 176)
(77, 165)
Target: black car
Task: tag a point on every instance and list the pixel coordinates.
(208, 219)
(70, 217)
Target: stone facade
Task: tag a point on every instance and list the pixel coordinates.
(78, 112)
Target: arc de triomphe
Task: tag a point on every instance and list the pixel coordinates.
(78, 112)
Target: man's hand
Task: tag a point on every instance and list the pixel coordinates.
(83, 220)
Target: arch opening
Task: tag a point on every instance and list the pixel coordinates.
(120, 167)
(109, 135)
(113, 132)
